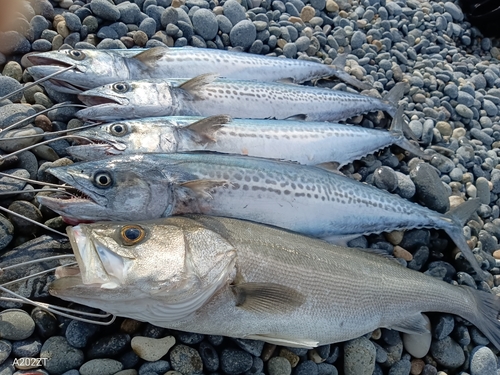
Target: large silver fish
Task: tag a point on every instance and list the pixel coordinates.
(234, 278)
(95, 68)
(206, 95)
(304, 142)
(304, 199)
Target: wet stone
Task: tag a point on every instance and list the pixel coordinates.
(279, 366)
(234, 361)
(209, 356)
(26, 348)
(12, 113)
(28, 210)
(385, 178)
(109, 346)
(79, 333)
(447, 353)
(483, 361)
(16, 325)
(359, 357)
(60, 355)
(187, 360)
(430, 190)
(46, 324)
(418, 344)
(8, 85)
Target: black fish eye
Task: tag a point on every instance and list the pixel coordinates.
(102, 179)
(77, 54)
(132, 234)
(121, 87)
(118, 129)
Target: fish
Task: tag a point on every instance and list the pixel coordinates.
(94, 68)
(205, 95)
(304, 199)
(221, 276)
(309, 143)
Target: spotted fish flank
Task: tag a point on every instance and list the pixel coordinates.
(304, 199)
(206, 95)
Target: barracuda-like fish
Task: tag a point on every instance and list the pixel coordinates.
(227, 277)
(206, 95)
(304, 199)
(307, 143)
(95, 68)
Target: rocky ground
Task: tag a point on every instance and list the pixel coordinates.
(452, 103)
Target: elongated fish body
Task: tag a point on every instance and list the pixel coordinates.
(205, 96)
(95, 68)
(304, 142)
(301, 198)
(227, 277)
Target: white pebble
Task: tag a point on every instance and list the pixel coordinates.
(151, 349)
(418, 344)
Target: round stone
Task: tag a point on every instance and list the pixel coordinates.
(359, 357)
(307, 13)
(151, 349)
(16, 325)
(28, 210)
(109, 346)
(73, 22)
(6, 232)
(61, 357)
(205, 24)
(447, 353)
(186, 360)
(104, 366)
(105, 10)
(430, 190)
(234, 361)
(80, 333)
(418, 345)
(243, 34)
(234, 11)
(483, 361)
(385, 178)
(279, 366)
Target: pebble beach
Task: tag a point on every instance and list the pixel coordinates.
(452, 105)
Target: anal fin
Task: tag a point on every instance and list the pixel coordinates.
(284, 341)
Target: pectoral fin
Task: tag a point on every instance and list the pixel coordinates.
(202, 187)
(285, 341)
(203, 131)
(267, 297)
(414, 324)
(150, 56)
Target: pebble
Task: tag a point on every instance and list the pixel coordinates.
(105, 10)
(103, 366)
(151, 349)
(483, 361)
(186, 360)
(209, 356)
(243, 34)
(6, 232)
(429, 188)
(306, 368)
(5, 350)
(418, 345)
(279, 366)
(234, 361)
(205, 24)
(447, 353)
(16, 325)
(234, 12)
(359, 357)
(61, 357)
(26, 348)
(385, 178)
(109, 346)
(80, 333)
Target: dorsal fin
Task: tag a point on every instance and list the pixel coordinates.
(195, 85)
(202, 131)
(150, 56)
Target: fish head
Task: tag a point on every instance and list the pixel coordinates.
(170, 265)
(127, 100)
(126, 137)
(92, 68)
(111, 189)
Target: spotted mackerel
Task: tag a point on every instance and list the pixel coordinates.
(304, 199)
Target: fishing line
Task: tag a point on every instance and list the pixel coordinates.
(33, 221)
(13, 192)
(35, 182)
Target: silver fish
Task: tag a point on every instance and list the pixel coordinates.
(95, 68)
(222, 276)
(301, 198)
(206, 95)
(304, 142)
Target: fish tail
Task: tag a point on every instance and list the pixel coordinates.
(456, 218)
(393, 97)
(399, 126)
(338, 66)
(483, 312)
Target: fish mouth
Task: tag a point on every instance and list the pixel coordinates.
(99, 100)
(70, 86)
(43, 60)
(93, 151)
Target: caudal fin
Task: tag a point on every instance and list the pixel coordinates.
(457, 218)
(399, 127)
(338, 71)
(393, 97)
(485, 315)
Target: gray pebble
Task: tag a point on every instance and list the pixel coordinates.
(60, 355)
(205, 24)
(306, 368)
(16, 325)
(104, 366)
(109, 346)
(385, 178)
(169, 16)
(129, 12)
(279, 366)
(189, 338)
(430, 190)
(26, 348)
(359, 357)
(41, 45)
(224, 24)
(156, 367)
(454, 11)
(483, 361)
(444, 327)
(105, 10)
(234, 361)
(28, 210)
(79, 333)
(38, 25)
(5, 350)
(107, 32)
(73, 22)
(148, 26)
(447, 353)
(490, 108)
(234, 11)
(8, 85)
(327, 369)
(111, 44)
(254, 347)
(290, 50)
(358, 39)
(402, 367)
(243, 33)
(209, 356)
(442, 163)
(481, 136)
(6, 232)
(406, 187)
(186, 360)
(483, 190)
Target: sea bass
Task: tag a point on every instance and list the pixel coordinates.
(206, 95)
(220, 276)
(304, 142)
(304, 199)
(95, 68)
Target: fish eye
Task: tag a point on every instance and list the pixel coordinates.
(103, 179)
(77, 54)
(118, 130)
(121, 87)
(132, 234)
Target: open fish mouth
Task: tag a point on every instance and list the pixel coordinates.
(41, 60)
(92, 151)
(64, 84)
(97, 100)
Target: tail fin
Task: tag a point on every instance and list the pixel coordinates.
(485, 315)
(400, 126)
(394, 96)
(457, 218)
